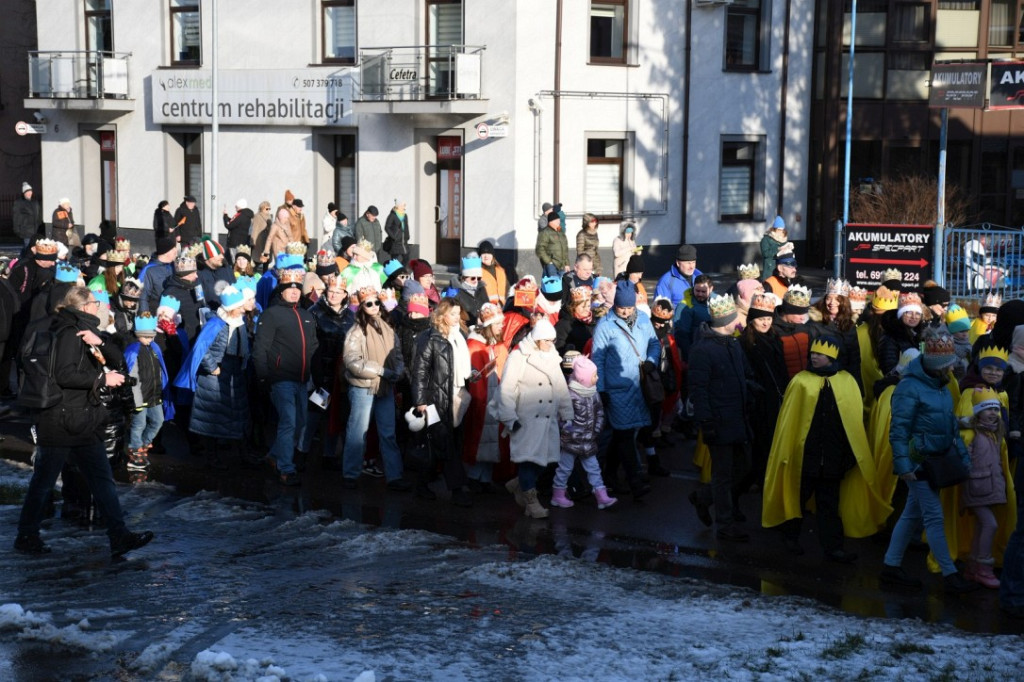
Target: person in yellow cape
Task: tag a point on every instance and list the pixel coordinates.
(820, 449)
(867, 334)
(878, 426)
(991, 366)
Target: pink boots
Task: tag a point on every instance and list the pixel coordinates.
(558, 498)
(980, 571)
(604, 500)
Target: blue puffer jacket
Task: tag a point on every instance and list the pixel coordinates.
(618, 367)
(673, 285)
(221, 405)
(922, 412)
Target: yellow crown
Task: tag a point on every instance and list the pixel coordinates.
(295, 249)
(955, 313)
(766, 302)
(885, 300)
(46, 247)
(837, 287)
(892, 273)
(994, 352)
(194, 250)
(984, 397)
(798, 296)
(825, 346)
(749, 271)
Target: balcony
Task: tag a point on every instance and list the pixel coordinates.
(79, 80)
(421, 79)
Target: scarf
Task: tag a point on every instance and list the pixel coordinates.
(232, 322)
(471, 288)
(630, 321)
(460, 357)
(581, 390)
(378, 347)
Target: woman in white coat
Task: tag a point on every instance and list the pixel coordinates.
(532, 399)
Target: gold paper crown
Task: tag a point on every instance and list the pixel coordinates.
(955, 313)
(982, 395)
(992, 300)
(837, 287)
(491, 313)
(420, 299)
(721, 306)
(387, 294)
(749, 271)
(858, 294)
(939, 344)
(122, 244)
(825, 346)
(185, 264)
(46, 247)
(994, 352)
(366, 293)
(885, 299)
(910, 298)
(766, 302)
(243, 248)
(291, 276)
(333, 282)
(295, 249)
(526, 283)
(194, 250)
(798, 296)
(116, 256)
(662, 308)
(580, 294)
(892, 273)
(325, 258)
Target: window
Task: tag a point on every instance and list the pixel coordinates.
(604, 176)
(911, 23)
(345, 175)
(444, 36)
(98, 35)
(741, 181)
(339, 30)
(192, 144)
(745, 36)
(186, 36)
(1005, 23)
(608, 31)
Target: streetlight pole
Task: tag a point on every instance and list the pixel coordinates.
(849, 129)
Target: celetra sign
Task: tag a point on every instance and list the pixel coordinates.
(315, 97)
(403, 73)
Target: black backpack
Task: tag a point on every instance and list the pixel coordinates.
(38, 388)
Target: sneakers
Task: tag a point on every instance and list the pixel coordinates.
(895, 576)
(371, 469)
(954, 583)
(31, 544)
(138, 460)
(558, 499)
(703, 510)
(291, 479)
(980, 571)
(129, 541)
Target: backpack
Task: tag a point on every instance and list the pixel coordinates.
(38, 388)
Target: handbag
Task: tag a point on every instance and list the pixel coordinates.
(944, 470)
(650, 380)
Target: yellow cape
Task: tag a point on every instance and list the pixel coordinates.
(978, 329)
(702, 459)
(861, 508)
(869, 370)
(878, 437)
(959, 522)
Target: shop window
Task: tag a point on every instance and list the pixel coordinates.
(609, 21)
(746, 35)
(604, 177)
(186, 36)
(741, 178)
(339, 30)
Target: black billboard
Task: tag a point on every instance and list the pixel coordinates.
(957, 86)
(872, 249)
(1007, 88)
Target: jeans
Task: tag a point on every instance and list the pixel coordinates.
(565, 466)
(923, 510)
(92, 462)
(289, 399)
(145, 425)
(364, 404)
(529, 472)
(314, 419)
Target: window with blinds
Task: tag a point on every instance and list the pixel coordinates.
(603, 189)
(339, 31)
(186, 33)
(444, 29)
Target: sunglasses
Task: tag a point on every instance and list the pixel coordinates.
(371, 304)
(471, 279)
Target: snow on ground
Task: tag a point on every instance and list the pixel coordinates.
(241, 591)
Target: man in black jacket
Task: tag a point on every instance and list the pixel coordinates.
(283, 355)
(27, 215)
(238, 226)
(182, 287)
(187, 221)
(73, 428)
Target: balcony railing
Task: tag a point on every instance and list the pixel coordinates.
(419, 72)
(78, 75)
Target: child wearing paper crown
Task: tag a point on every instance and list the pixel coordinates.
(146, 365)
(579, 436)
(990, 367)
(959, 325)
(820, 448)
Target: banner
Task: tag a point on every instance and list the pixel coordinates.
(872, 249)
(315, 97)
(958, 85)
(1007, 88)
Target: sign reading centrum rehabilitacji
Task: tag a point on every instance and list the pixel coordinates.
(317, 97)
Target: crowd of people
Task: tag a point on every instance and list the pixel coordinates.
(557, 387)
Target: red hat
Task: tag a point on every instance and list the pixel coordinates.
(420, 268)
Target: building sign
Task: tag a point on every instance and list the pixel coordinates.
(1007, 86)
(449, 147)
(872, 249)
(107, 142)
(958, 85)
(316, 97)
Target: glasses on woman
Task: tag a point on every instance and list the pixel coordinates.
(91, 301)
(471, 279)
(371, 304)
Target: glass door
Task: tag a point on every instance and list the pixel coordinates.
(444, 36)
(108, 180)
(449, 198)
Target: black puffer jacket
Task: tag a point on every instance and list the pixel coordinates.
(433, 374)
(75, 420)
(471, 303)
(718, 374)
(238, 227)
(285, 343)
(331, 328)
(185, 293)
(896, 337)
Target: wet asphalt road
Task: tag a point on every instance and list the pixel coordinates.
(659, 533)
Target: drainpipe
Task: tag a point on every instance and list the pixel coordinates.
(557, 132)
(782, 112)
(686, 116)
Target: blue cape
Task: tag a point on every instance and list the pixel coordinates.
(131, 355)
(190, 366)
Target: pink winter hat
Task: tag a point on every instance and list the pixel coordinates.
(745, 290)
(583, 370)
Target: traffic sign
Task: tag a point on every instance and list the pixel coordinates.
(23, 128)
(483, 131)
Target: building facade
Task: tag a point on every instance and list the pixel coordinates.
(688, 118)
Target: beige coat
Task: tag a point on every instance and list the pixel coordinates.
(277, 239)
(533, 391)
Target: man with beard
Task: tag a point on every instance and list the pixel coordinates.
(785, 274)
(680, 277)
(688, 318)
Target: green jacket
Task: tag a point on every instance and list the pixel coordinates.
(552, 247)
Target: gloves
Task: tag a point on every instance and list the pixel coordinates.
(709, 432)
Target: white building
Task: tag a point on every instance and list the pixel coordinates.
(686, 117)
